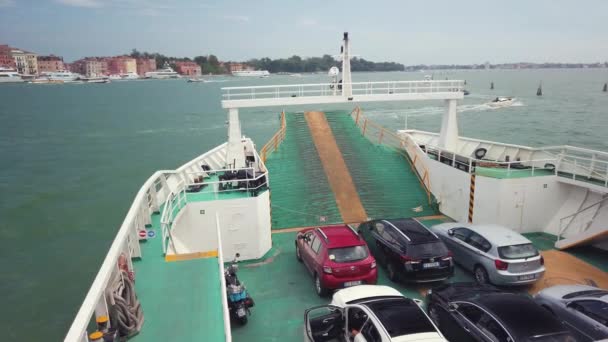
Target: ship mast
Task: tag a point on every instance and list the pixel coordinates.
(347, 87)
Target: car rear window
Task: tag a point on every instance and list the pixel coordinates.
(424, 250)
(522, 251)
(401, 317)
(349, 254)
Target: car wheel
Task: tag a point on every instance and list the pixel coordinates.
(321, 291)
(481, 275)
(392, 272)
(298, 255)
(434, 314)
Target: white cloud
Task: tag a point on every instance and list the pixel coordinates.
(81, 3)
(238, 18)
(7, 3)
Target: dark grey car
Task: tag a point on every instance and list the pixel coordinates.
(584, 309)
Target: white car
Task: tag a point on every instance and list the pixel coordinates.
(370, 313)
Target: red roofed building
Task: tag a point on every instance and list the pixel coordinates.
(188, 68)
(6, 59)
(145, 65)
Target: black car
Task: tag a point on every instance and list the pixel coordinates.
(474, 312)
(408, 250)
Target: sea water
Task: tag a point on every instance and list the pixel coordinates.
(73, 156)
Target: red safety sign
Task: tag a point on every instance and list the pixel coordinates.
(142, 234)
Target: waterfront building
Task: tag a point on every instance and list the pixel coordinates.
(188, 68)
(121, 65)
(6, 59)
(50, 63)
(238, 67)
(91, 66)
(26, 62)
(144, 65)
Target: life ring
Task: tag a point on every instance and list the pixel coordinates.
(331, 86)
(550, 166)
(480, 153)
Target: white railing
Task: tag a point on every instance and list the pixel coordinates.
(330, 89)
(174, 203)
(126, 243)
(220, 261)
(580, 163)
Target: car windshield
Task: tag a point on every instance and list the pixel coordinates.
(424, 250)
(523, 251)
(348, 254)
(559, 337)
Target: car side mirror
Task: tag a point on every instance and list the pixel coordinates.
(451, 232)
(452, 307)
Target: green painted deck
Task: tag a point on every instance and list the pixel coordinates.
(301, 193)
(299, 188)
(181, 300)
(386, 184)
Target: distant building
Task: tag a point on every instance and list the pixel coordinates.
(91, 66)
(121, 65)
(50, 64)
(26, 62)
(144, 65)
(188, 68)
(6, 59)
(238, 67)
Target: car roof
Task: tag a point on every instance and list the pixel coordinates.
(339, 236)
(520, 314)
(414, 230)
(497, 235)
(347, 295)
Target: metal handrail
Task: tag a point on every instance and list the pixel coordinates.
(220, 261)
(563, 230)
(168, 217)
(276, 139)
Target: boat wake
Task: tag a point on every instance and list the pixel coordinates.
(427, 111)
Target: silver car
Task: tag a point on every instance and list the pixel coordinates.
(584, 309)
(493, 253)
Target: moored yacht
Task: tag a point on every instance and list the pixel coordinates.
(129, 76)
(166, 72)
(163, 277)
(62, 76)
(9, 76)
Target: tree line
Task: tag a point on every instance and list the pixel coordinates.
(320, 64)
(210, 63)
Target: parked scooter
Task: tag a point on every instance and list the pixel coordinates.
(239, 300)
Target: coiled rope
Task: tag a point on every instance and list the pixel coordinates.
(129, 316)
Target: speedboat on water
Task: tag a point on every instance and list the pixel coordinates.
(9, 76)
(129, 76)
(501, 101)
(101, 79)
(164, 277)
(196, 80)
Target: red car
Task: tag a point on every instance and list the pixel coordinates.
(337, 257)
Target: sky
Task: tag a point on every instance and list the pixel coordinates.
(409, 32)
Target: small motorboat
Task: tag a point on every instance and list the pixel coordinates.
(192, 80)
(501, 102)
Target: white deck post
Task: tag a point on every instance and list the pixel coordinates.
(347, 86)
(448, 137)
(235, 155)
